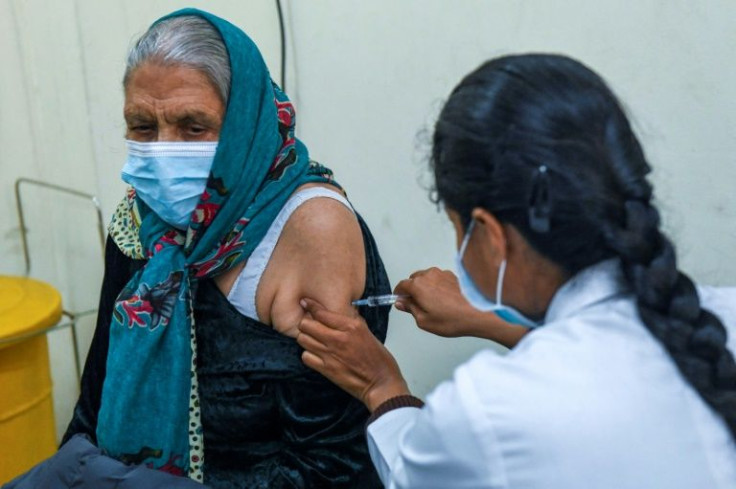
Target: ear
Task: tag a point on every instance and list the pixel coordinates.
(491, 231)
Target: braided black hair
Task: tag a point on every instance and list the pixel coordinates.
(517, 118)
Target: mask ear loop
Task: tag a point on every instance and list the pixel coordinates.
(499, 282)
(501, 270)
(466, 239)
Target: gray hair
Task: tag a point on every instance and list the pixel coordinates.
(184, 41)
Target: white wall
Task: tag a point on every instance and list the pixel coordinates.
(371, 75)
(367, 78)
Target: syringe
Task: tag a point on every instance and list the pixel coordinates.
(379, 300)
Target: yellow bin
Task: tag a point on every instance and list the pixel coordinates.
(27, 431)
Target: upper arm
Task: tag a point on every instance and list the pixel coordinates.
(319, 255)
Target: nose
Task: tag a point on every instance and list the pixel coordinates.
(168, 133)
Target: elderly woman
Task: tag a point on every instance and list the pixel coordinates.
(194, 368)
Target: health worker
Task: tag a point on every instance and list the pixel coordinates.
(627, 378)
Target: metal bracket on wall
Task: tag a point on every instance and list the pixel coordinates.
(73, 316)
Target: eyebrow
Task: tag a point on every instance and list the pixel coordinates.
(198, 116)
(136, 115)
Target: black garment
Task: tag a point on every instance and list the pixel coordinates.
(268, 420)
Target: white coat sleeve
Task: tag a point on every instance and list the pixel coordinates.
(437, 446)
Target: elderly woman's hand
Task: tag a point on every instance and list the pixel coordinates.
(344, 350)
(438, 306)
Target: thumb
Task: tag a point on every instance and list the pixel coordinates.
(411, 307)
(311, 306)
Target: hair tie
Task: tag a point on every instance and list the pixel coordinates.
(540, 207)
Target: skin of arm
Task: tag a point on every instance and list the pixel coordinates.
(438, 306)
(319, 254)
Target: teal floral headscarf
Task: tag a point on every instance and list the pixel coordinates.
(150, 406)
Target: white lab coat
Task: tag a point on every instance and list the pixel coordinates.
(590, 400)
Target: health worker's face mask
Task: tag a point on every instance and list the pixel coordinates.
(475, 297)
(169, 177)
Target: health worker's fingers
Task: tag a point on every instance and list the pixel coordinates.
(318, 330)
(330, 319)
(405, 287)
(419, 273)
(410, 306)
(311, 306)
(310, 343)
(313, 361)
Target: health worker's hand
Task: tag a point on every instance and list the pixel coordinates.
(344, 350)
(438, 306)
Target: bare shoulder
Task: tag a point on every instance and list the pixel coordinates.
(320, 222)
(325, 237)
(320, 255)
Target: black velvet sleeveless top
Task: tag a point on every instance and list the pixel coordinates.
(268, 420)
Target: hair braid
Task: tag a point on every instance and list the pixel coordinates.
(669, 306)
(516, 113)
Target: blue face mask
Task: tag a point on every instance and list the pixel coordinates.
(476, 298)
(169, 177)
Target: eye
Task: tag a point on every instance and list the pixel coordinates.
(141, 131)
(196, 128)
(141, 128)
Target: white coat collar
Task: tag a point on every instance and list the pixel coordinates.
(592, 285)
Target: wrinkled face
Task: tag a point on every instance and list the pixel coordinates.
(171, 103)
